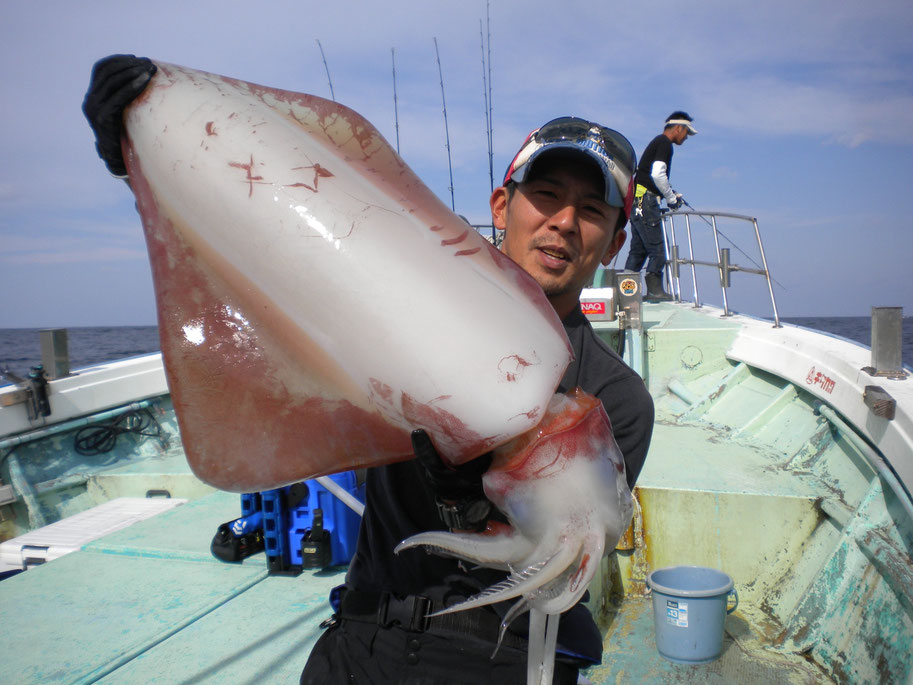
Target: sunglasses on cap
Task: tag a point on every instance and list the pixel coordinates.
(607, 147)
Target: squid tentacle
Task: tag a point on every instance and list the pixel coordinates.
(499, 589)
(567, 589)
(488, 550)
(519, 583)
(516, 610)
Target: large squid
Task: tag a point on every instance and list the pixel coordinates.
(562, 486)
(317, 303)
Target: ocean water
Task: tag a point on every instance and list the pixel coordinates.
(20, 348)
(858, 328)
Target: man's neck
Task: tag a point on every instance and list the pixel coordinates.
(564, 305)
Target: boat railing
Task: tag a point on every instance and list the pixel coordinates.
(490, 233)
(723, 263)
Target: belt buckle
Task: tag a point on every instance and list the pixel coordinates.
(410, 613)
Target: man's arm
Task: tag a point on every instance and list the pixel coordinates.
(632, 421)
(659, 174)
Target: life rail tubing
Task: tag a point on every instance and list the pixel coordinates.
(722, 263)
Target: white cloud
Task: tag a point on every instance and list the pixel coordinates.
(775, 106)
(724, 173)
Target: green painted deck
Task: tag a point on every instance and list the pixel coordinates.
(150, 604)
(631, 658)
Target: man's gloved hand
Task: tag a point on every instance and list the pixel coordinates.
(116, 81)
(679, 201)
(461, 502)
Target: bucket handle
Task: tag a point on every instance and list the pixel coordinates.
(735, 595)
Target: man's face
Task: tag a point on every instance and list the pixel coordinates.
(558, 226)
(681, 134)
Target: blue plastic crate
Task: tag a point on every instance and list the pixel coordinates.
(250, 503)
(338, 519)
(274, 528)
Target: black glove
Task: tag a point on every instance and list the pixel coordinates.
(116, 82)
(459, 496)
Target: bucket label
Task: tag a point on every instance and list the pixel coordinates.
(677, 613)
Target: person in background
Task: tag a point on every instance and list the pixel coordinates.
(652, 185)
(563, 206)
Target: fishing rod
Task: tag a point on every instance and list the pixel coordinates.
(706, 221)
(491, 175)
(395, 110)
(487, 97)
(490, 120)
(446, 127)
(327, 68)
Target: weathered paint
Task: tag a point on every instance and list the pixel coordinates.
(736, 479)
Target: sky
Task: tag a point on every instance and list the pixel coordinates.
(804, 111)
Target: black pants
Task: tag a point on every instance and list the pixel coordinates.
(368, 654)
(647, 243)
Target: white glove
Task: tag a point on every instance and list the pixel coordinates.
(678, 202)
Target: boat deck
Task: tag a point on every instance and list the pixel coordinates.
(744, 475)
(630, 656)
(236, 623)
(150, 604)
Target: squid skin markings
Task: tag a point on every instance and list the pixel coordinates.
(453, 241)
(579, 574)
(249, 169)
(319, 172)
(511, 376)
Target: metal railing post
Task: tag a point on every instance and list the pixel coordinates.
(673, 263)
(697, 299)
(770, 287)
(669, 247)
(716, 242)
(667, 242)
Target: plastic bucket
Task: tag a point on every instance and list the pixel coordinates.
(689, 609)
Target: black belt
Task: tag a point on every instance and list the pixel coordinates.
(411, 613)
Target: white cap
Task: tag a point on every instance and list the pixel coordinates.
(683, 122)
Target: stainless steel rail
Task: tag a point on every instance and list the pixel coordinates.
(722, 263)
